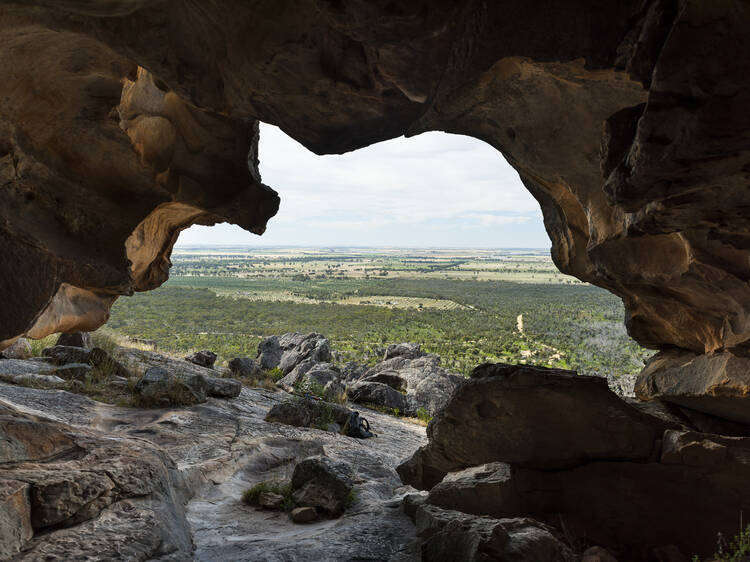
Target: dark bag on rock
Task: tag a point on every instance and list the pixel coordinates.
(358, 427)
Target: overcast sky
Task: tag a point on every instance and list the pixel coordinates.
(433, 190)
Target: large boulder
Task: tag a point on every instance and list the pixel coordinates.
(244, 367)
(716, 383)
(287, 351)
(76, 339)
(310, 375)
(379, 394)
(532, 417)
(323, 484)
(426, 385)
(452, 536)
(204, 358)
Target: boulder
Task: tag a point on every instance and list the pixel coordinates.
(406, 350)
(303, 514)
(322, 483)
(426, 384)
(310, 375)
(532, 417)
(204, 358)
(25, 440)
(716, 383)
(305, 412)
(158, 387)
(9, 368)
(335, 391)
(15, 517)
(245, 367)
(379, 394)
(289, 350)
(19, 349)
(46, 381)
(223, 388)
(452, 536)
(62, 354)
(597, 554)
(76, 339)
(352, 371)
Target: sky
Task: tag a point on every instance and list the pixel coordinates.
(432, 190)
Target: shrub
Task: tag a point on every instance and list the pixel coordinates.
(424, 415)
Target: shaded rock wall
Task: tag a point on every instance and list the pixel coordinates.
(627, 121)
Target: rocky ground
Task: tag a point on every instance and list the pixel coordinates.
(193, 465)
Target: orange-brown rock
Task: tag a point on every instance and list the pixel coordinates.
(122, 122)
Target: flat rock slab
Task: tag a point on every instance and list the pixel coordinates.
(535, 418)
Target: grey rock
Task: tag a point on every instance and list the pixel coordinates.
(452, 536)
(204, 358)
(75, 339)
(158, 386)
(139, 361)
(379, 394)
(352, 371)
(310, 346)
(322, 483)
(73, 371)
(304, 412)
(303, 514)
(406, 350)
(244, 367)
(427, 385)
(391, 378)
(269, 353)
(335, 391)
(223, 388)
(20, 349)
(63, 354)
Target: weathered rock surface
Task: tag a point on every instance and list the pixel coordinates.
(201, 380)
(140, 467)
(532, 417)
(423, 383)
(715, 383)
(566, 451)
(310, 373)
(323, 484)
(641, 181)
(289, 350)
(452, 536)
(305, 412)
(244, 367)
(204, 358)
(159, 387)
(15, 517)
(303, 514)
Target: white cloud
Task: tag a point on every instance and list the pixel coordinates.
(399, 185)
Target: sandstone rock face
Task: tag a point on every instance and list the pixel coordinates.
(555, 419)
(456, 537)
(565, 450)
(716, 383)
(640, 173)
(323, 484)
(15, 517)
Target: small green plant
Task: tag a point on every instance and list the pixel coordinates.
(38, 345)
(251, 496)
(351, 497)
(424, 415)
(274, 374)
(736, 551)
